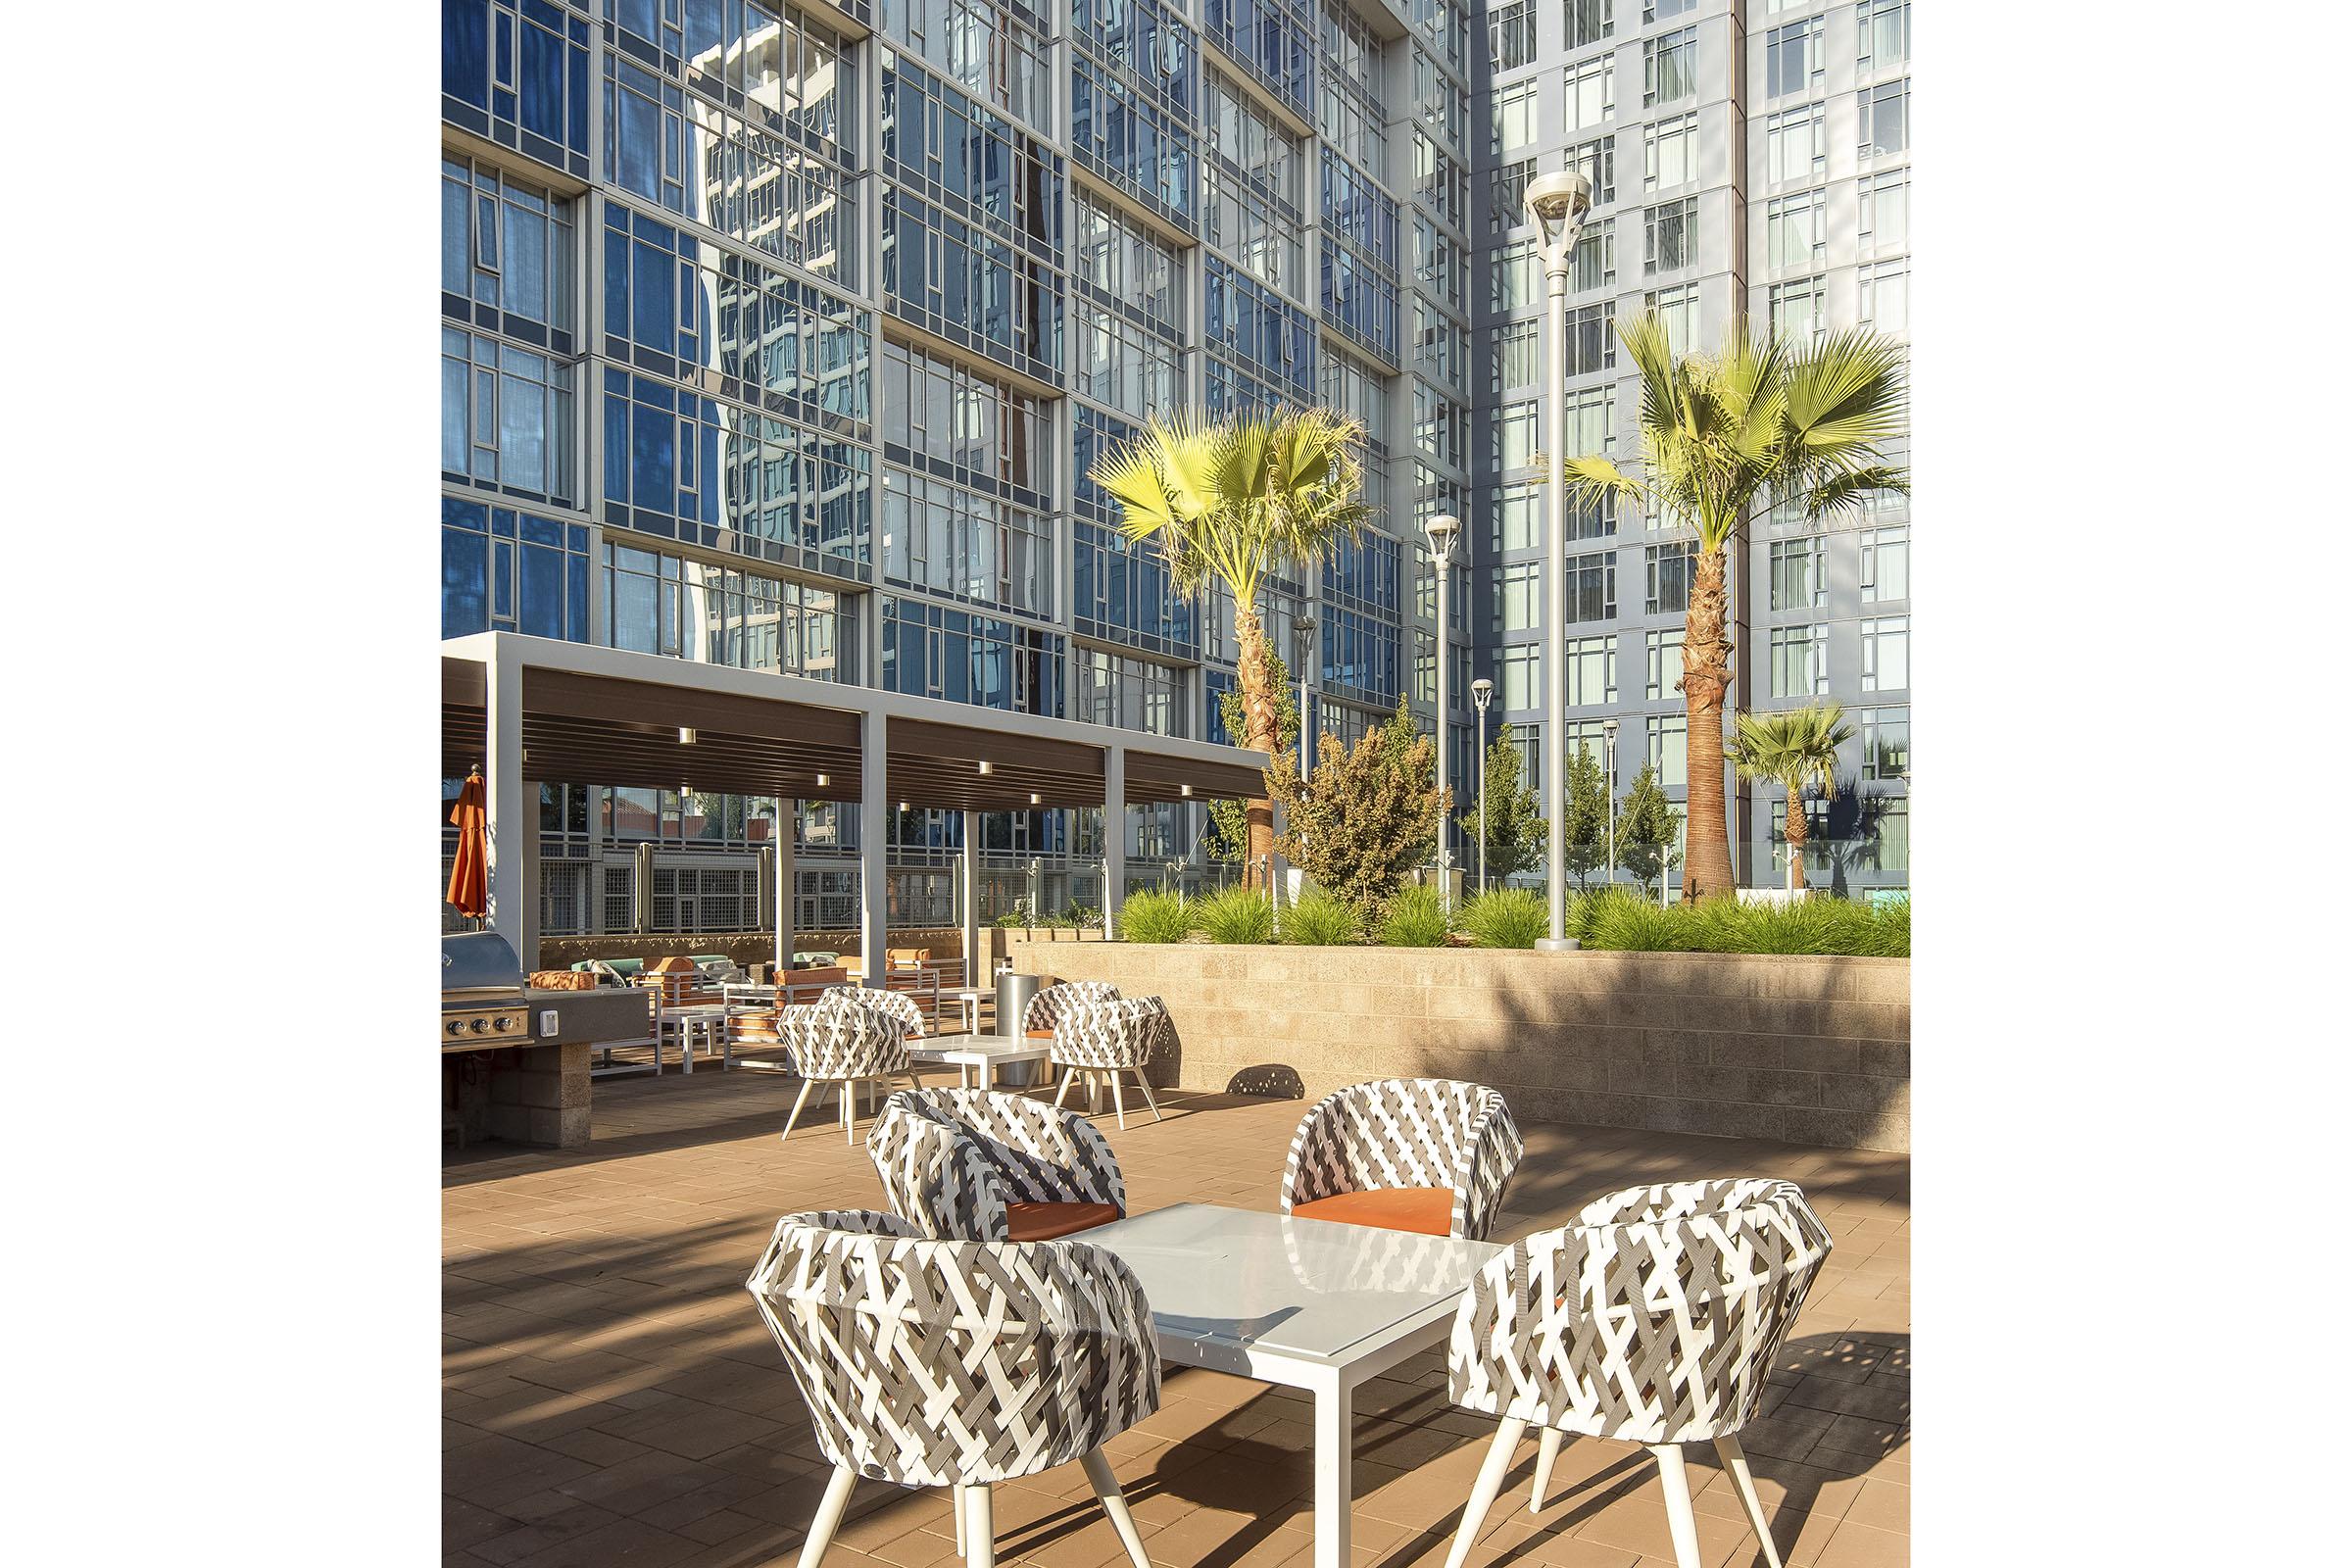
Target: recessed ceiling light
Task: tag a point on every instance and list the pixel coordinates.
(824, 780)
(685, 736)
(987, 768)
(1188, 790)
(1036, 799)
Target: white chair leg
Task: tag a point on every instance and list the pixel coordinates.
(979, 1529)
(1548, 1453)
(849, 1110)
(806, 1084)
(1482, 1494)
(1118, 1100)
(956, 1507)
(1068, 1077)
(1680, 1522)
(1735, 1460)
(1114, 1504)
(1145, 1084)
(829, 1510)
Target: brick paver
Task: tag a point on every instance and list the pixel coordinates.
(611, 1398)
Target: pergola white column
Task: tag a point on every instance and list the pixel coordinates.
(873, 842)
(1114, 836)
(508, 824)
(788, 832)
(971, 900)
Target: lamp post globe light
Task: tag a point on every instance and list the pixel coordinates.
(1481, 693)
(1556, 204)
(1608, 785)
(1443, 530)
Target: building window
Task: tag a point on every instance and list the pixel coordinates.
(1670, 151)
(1662, 660)
(1885, 27)
(1669, 572)
(1801, 661)
(1793, 58)
(1591, 92)
(1797, 579)
(1666, 10)
(1592, 671)
(965, 545)
(1593, 263)
(505, 418)
(1795, 236)
(1592, 338)
(1798, 310)
(1596, 161)
(507, 254)
(1885, 212)
(518, 74)
(1886, 653)
(1677, 308)
(1670, 749)
(1515, 435)
(1511, 34)
(1518, 597)
(657, 603)
(1886, 298)
(1592, 421)
(1669, 67)
(1587, 22)
(508, 570)
(1591, 587)
(1520, 673)
(1885, 742)
(1885, 113)
(1889, 826)
(1797, 143)
(1506, 190)
(1886, 564)
(1517, 363)
(1514, 116)
(959, 655)
(1670, 236)
(1126, 693)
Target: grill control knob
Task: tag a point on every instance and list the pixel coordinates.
(480, 1025)
(502, 1023)
(456, 1026)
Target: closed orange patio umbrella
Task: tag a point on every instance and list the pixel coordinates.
(468, 877)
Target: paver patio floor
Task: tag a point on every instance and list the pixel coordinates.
(610, 1396)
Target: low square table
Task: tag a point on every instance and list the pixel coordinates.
(1304, 1303)
(983, 1054)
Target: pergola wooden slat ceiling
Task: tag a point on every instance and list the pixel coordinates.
(589, 729)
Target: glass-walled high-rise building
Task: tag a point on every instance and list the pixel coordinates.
(784, 336)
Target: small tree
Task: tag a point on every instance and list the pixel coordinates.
(1647, 825)
(1226, 837)
(1586, 828)
(1367, 817)
(1515, 831)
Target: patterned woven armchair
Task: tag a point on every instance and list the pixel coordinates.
(1426, 1154)
(1046, 1009)
(896, 1004)
(933, 1363)
(1654, 1319)
(842, 1047)
(1099, 1041)
(967, 1165)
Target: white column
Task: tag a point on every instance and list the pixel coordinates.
(526, 930)
(971, 900)
(788, 832)
(509, 823)
(1114, 836)
(873, 846)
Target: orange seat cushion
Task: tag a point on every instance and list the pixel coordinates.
(1041, 1034)
(1428, 1210)
(1043, 1222)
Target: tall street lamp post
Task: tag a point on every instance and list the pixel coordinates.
(1442, 531)
(1481, 693)
(1608, 785)
(1556, 203)
(1303, 651)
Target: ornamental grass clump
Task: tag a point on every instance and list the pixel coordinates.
(1415, 918)
(1159, 917)
(1319, 920)
(1615, 920)
(1237, 914)
(1506, 917)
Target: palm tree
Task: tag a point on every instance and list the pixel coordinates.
(1722, 437)
(1792, 749)
(1233, 503)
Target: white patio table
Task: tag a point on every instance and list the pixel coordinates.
(1306, 1304)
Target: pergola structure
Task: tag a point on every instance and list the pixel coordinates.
(533, 710)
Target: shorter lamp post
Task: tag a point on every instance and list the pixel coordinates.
(1609, 786)
(1442, 531)
(1302, 648)
(1481, 693)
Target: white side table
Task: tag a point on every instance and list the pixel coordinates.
(983, 1054)
(971, 996)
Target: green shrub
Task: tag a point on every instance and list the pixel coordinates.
(1506, 917)
(1237, 914)
(1085, 917)
(1157, 917)
(1415, 918)
(1621, 922)
(1617, 920)
(1319, 920)
(1890, 934)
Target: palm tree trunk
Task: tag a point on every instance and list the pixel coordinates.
(1706, 681)
(1796, 839)
(1259, 732)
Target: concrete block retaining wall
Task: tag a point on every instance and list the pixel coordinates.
(1800, 1050)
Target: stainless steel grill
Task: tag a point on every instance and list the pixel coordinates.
(482, 1000)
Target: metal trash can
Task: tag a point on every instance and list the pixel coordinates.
(1014, 993)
